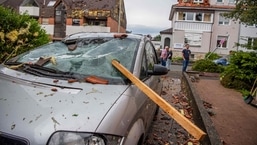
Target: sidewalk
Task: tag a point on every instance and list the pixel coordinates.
(234, 120)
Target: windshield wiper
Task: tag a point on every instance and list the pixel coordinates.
(47, 72)
(12, 63)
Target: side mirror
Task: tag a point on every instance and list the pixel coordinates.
(158, 69)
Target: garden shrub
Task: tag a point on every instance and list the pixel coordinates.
(19, 33)
(230, 80)
(177, 59)
(212, 56)
(206, 65)
(241, 72)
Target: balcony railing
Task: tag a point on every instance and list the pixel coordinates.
(193, 26)
(30, 10)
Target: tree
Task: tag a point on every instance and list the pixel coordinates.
(19, 33)
(245, 12)
(241, 72)
(157, 38)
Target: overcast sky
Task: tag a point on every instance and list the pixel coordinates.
(148, 16)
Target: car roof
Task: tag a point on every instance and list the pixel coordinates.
(81, 35)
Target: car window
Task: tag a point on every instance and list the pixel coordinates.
(148, 61)
(91, 56)
(150, 56)
(143, 71)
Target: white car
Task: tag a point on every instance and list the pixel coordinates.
(68, 92)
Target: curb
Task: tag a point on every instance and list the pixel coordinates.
(200, 116)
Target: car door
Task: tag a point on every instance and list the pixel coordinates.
(148, 61)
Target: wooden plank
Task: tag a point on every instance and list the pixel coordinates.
(178, 117)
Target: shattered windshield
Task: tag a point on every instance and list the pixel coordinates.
(87, 56)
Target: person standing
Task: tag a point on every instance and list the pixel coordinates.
(164, 55)
(169, 58)
(185, 55)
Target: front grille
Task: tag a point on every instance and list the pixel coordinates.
(6, 139)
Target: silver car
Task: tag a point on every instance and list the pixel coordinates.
(68, 92)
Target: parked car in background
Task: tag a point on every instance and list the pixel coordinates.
(68, 92)
(221, 61)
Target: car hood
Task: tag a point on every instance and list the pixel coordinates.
(40, 106)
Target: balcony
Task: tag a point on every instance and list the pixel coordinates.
(193, 26)
(30, 10)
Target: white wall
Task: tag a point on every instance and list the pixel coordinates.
(49, 29)
(74, 29)
(231, 31)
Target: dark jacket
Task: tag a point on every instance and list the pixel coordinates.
(170, 54)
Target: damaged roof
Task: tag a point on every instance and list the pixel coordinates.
(198, 7)
(47, 6)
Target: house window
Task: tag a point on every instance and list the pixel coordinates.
(99, 14)
(231, 1)
(45, 21)
(207, 17)
(222, 41)
(189, 16)
(181, 16)
(193, 39)
(75, 22)
(252, 42)
(219, 1)
(96, 22)
(199, 17)
(223, 20)
(198, 1)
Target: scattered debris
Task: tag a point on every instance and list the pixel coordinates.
(208, 107)
(165, 130)
(13, 126)
(93, 91)
(72, 80)
(54, 89)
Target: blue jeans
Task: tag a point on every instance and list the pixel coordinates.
(163, 62)
(185, 64)
(168, 63)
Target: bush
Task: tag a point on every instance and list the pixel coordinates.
(212, 56)
(231, 81)
(241, 72)
(206, 65)
(177, 59)
(19, 33)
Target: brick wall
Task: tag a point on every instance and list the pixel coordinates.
(113, 24)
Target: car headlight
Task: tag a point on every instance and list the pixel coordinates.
(76, 138)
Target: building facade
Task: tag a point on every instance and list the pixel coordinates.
(248, 35)
(200, 24)
(63, 17)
